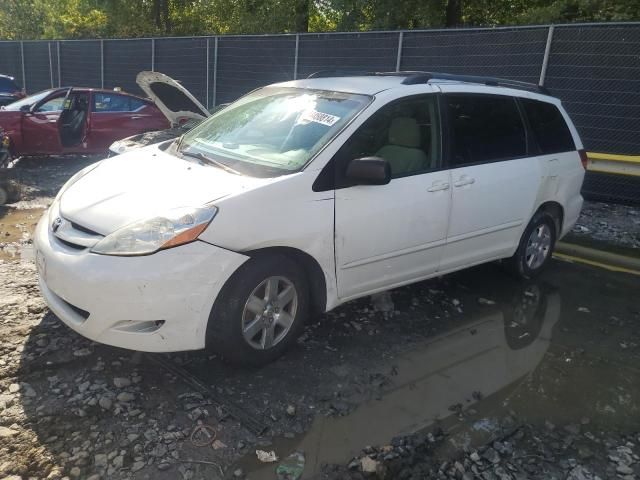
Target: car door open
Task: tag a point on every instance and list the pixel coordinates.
(73, 120)
(393, 233)
(40, 125)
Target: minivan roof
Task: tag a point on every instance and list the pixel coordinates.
(367, 85)
(370, 83)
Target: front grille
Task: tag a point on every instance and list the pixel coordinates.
(74, 235)
(71, 245)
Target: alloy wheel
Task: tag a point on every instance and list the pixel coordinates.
(538, 246)
(269, 312)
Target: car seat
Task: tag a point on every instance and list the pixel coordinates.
(404, 148)
(73, 127)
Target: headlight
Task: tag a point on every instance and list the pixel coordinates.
(179, 226)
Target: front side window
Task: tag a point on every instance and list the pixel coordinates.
(278, 129)
(549, 128)
(484, 128)
(405, 133)
(52, 105)
(30, 100)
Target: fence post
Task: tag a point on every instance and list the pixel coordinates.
(59, 69)
(24, 78)
(153, 54)
(215, 70)
(295, 60)
(50, 64)
(207, 76)
(545, 60)
(101, 63)
(399, 57)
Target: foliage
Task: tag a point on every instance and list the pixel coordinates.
(29, 19)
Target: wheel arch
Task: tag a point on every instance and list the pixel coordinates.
(556, 211)
(311, 268)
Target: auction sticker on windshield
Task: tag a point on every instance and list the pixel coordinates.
(319, 117)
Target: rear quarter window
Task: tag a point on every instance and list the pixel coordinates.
(136, 104)
(549, 128)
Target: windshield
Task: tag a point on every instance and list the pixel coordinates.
(30, 100)
(277, 128)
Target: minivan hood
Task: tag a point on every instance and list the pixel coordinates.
(142, 184)
(175, 101)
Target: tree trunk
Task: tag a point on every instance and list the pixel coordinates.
(166, 16)
(157, 20)
(454, 13)
(302, 15)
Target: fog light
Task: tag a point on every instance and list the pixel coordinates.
(133, 326)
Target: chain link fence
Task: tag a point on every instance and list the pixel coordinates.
(593, 68)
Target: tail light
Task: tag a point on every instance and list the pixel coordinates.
(20, 93)
(583, 158)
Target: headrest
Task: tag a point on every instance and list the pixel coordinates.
(404, 131)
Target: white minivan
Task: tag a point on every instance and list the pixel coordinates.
(301, 196)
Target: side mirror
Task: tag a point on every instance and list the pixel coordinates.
(25, 108)
(369, 171)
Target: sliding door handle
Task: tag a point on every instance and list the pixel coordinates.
(438, 186)
(464, 180)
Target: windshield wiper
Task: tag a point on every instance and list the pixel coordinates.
(203, 158)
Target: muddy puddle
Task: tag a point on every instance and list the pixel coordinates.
(16, 230)
(549, 352)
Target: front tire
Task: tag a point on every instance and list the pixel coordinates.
(260, 311)
(535, 248)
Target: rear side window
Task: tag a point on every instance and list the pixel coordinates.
(484, 128)
(112, 102)
(7, 85)
(549, 128)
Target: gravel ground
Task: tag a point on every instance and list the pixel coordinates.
(490, 396)
(572, 453)
(617, 225)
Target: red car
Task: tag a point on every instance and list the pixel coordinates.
(76, 121)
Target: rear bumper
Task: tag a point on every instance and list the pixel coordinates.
(154, 303)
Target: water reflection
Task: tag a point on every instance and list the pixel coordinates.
(441, 378)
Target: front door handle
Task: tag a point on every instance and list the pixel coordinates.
(438, 186)
(464, 180)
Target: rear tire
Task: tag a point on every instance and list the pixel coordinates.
(260, 311)
(535, 248)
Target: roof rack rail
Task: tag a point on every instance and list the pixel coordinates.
(418, 77)
(340, 73)
(425, 77)
(345, 72)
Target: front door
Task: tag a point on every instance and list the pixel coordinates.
(494, 180)
(387, 235)
(40, 127)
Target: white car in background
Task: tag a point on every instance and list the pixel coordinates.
(304, 195)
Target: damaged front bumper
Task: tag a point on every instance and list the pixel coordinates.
(153, 303)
